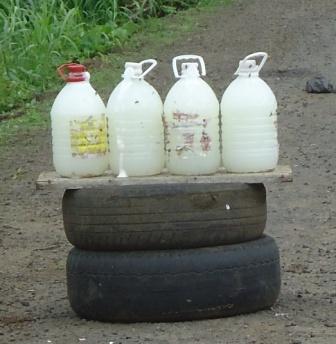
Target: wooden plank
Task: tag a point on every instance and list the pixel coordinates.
(49, 180)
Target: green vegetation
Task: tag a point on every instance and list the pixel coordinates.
(148, 36)
(38, 35)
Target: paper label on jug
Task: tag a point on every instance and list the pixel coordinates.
(188, 133)
(88, 137)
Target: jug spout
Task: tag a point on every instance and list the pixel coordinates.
(249, 67)
(134, 70)
(190, 69)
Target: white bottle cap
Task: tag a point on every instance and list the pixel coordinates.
(249, 67)
(185, 66)
(132, 70)
(135, 70)
(190, 69)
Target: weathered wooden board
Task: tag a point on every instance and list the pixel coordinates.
(48, 180)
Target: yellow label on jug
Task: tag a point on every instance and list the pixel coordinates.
(88, 137)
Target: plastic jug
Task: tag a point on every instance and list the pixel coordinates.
(135, 124)
(79, 133)
(191, 119)
(249, 120)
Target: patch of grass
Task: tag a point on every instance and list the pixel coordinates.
(152, 33)
(36, 117)
(38, 35)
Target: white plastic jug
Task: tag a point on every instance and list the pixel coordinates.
(191, 117)
(79, 133)
(249, 120)
(135, 125)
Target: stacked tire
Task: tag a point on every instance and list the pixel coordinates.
(169, 252)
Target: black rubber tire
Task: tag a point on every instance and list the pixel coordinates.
(174, 285)
(174, 217)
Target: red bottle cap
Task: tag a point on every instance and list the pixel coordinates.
(75, 72)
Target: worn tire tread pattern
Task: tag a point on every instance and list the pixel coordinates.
(134, 218)
(174, 285)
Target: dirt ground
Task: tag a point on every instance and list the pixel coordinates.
(300, 38)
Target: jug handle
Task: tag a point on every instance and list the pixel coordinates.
(188, 57)
(61, 71)
(153, 65)
(255, 55)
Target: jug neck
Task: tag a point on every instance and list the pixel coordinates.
(85, 80)
(133, 71)
(190, 70)
(247, 68)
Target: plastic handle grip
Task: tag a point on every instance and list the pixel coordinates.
(149, 61)
(61, 71)
(188, 57)
(256, 55)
